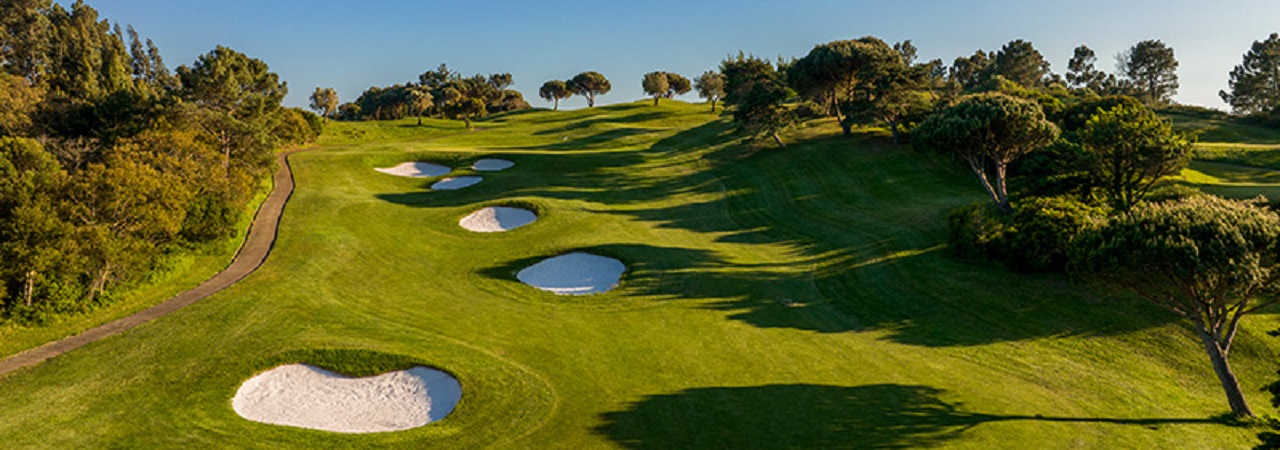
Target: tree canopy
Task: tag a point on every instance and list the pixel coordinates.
(1255, 83)
(988, 131)
(1081, 73)
(1208, 260)
(710, 86)
(756, 92)
(554, 91)
(1129, 150)
(1152, 70)
(324, 101)
(655, 85)
(589, 84)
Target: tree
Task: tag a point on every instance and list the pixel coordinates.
(1129, 150)
(1152, 69)
(754, 89)
(973, 71)
(324, 101)
(419, 102)
(1081, 73)
(1020, 62)
(241, 94)
(891, 92)
(834, 72)
(678, 85)
(554, 91)
(1210, 261)
(907, 50)
(655, 84)
(1255, 83)
(988, 131)
(710, 86)
(589, 84)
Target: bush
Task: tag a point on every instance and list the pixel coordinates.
(977, 231)
(1033, 238)
(1042, 229)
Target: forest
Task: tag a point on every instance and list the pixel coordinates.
(109, 161)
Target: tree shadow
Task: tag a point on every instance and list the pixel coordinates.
(859, 231)
(880, 416)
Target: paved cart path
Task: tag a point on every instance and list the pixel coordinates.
(254, 250)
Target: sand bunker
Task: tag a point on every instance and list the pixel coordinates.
(454, 183)
(416, 169)
(497, 219)
(492, 165)
(574, 274)
(304, 396)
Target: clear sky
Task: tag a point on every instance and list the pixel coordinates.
(351, 45)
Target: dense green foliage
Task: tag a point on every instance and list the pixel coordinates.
(589, 84)
(554, 91)
(756, 91)
(1128, 150)
(710, 86)
(1151, 70)
(438, 93)
(988, 132)
(111, 163)
(1210, 261)
(1255, 83)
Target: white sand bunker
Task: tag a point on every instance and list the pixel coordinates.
(574, 274)
(492, 165)
(455, 183)
(416, 169)
(497, 219)
(304, 396)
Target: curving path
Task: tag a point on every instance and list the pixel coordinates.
(254, 250)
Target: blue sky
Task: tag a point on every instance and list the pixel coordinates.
(351, 45)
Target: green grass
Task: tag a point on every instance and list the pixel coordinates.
(798, 297)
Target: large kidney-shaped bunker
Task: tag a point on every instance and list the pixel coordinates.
(300, 395)
(574, 274)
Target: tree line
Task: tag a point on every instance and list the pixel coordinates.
(442, 93)
(109, 161)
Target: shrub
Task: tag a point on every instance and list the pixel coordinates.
(1042, 229)
(1034, 238)
(976, 231)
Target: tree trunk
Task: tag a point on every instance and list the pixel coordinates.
(976, 167)
(1235, 396)
(591, 101)
(467, 120)
(99, 282)
(778, 140)
(1002, 192)
(557, 104)
(29, 287)
(226, 151)
(419, 120)
(713, 105)
(655, 100)
(897, 134)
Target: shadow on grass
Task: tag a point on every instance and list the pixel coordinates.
(857, 226)
(881, 416)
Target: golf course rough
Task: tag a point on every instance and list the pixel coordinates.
(304, 396)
